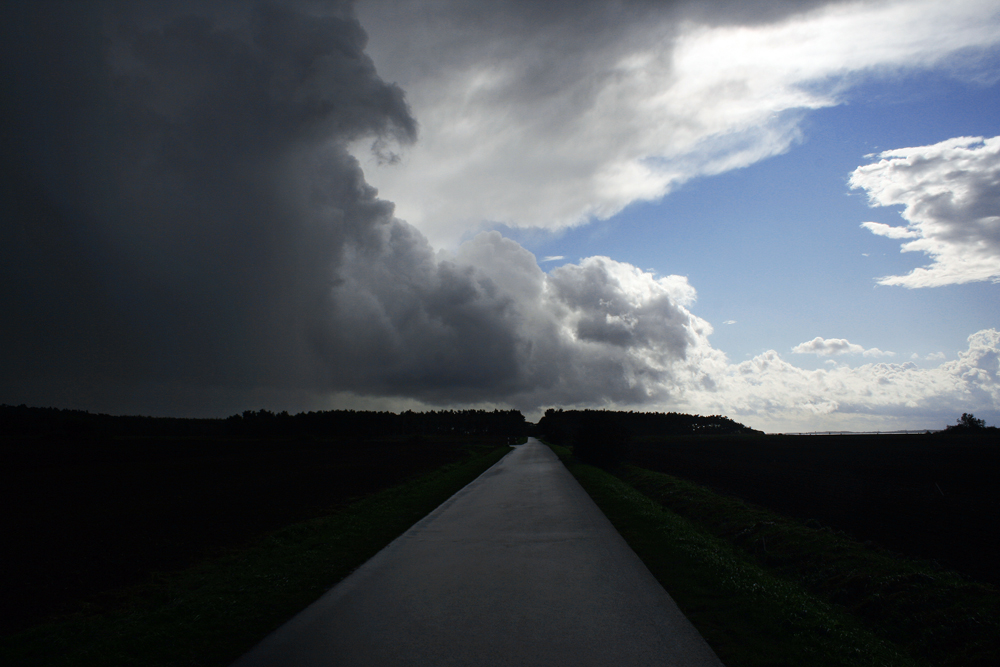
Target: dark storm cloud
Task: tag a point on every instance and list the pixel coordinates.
(158, 228)
(186, 233)
(612, 317)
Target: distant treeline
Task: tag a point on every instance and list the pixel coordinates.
(77, 424)
(604, 437)
(562, 425)
(559, 426)
(382, 424)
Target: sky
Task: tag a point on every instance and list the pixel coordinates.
(787, 213)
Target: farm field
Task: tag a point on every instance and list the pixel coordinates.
(90, 516)
(932, 497)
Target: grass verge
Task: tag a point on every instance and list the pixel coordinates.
(750, 616)
(212, 613)
(925, 610)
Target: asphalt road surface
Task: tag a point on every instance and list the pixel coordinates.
(518, 568)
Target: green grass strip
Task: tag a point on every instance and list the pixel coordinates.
(749, 616)
(925, 610)
(212, 613)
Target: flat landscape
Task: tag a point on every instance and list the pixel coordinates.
(89, 512)
(927, 496)
(127, 530)
(280, 278)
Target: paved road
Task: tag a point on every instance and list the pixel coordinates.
(518, 568)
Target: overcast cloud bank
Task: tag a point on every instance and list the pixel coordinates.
(192, 234)
(197, 223)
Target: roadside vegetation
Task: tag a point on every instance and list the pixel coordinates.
(765, 589)
(924, 609)
(932, 497)
(140, 541)
(95, 503)
(212, 612)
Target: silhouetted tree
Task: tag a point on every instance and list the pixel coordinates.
(969, 424)
(969, 421)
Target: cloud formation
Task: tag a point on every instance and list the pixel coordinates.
(950, 192)
(488, 324)
(827, 346)
(830, 346)
(190, 235)
(182, 194)
(193, 235)
(549, 118)
(778, 396)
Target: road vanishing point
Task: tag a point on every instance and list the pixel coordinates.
(519, 568)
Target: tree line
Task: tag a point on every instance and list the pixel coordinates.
(82, 425)
(562, 424)
(603, 437)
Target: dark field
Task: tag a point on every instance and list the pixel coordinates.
(933, 497)
(81, 517)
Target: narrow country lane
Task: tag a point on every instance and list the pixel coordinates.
(518, 568)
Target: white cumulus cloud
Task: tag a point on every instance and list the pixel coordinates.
(552, 118)
(830, 346)
(882, 229)
(827, 346)
(773, 394)
(950, 192)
